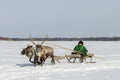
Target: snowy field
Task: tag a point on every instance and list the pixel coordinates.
(14, 66)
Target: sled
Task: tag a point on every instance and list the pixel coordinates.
(74, 57)
(77, 56)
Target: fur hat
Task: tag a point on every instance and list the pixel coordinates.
(80, 42)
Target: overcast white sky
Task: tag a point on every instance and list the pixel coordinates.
(59, 18)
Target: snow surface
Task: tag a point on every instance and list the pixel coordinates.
(14, 66)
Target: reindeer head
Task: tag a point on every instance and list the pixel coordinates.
(27, 50)
(23, 52)
(38, 46)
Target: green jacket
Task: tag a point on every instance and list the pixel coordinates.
(81, 49)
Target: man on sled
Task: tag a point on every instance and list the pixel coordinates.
(81, 50)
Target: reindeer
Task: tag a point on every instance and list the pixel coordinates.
(29, 52)
(43, 52)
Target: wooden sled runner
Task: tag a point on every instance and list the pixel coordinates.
(77, 56)
(74, 57)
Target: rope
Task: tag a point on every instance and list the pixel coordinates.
(98, 57)
(60, 47)
(73, 50)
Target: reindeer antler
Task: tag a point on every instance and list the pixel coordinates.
(32, 40)
(44, 40)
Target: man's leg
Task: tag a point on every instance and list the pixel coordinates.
(82, 58)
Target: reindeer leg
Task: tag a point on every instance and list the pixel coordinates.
(35, 60)
(30, 60)
(42, 60)
(52, 61)
(35, 63)
(45, 58)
